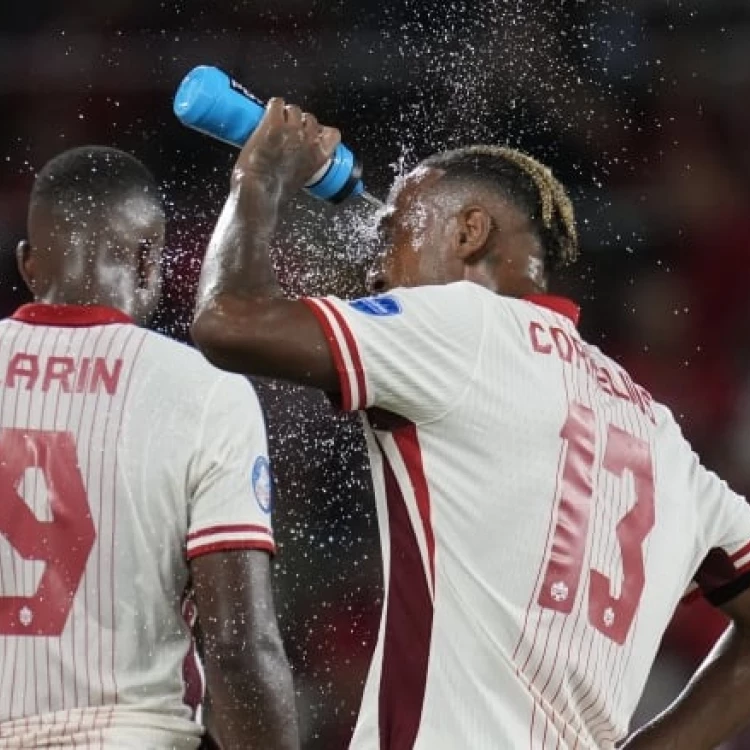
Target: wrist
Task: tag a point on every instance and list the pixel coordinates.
(252, 182)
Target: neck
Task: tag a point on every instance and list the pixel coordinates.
(85, 297)
(504, 283)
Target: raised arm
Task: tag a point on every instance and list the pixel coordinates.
(716, 703)
(242, 324)
(248, 680)
(412, 354)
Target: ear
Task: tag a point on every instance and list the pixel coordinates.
(26, 264)
(145, 266)
(473, 231)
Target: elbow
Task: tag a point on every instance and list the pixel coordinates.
(213, 339)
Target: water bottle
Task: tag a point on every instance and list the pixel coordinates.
(209, 101)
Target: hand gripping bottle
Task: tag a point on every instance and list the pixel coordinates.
(209, 101)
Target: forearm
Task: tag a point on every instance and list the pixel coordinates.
(714, 706)
(252, 705)
(242, 323)
(237, 262)
(236, 276)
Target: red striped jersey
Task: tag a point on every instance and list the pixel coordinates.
(540, 516)
(122, 456)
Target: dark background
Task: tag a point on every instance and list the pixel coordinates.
(640, 107)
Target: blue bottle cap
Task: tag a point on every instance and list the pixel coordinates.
(198, 92)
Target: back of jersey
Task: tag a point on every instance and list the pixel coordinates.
(540, 517)
(100, 431)
(589, 579)
(61, 409)
(578, 533)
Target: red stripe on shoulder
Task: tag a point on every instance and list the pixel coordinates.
(316, 307)
(351, 345)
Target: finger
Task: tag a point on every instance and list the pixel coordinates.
(272, 120)
(275, 110)
(311, 124)
(329, 139)
(293, 115)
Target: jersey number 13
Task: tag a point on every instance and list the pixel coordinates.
(610, 615)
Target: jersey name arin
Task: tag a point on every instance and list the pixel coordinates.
(84, 375)
(571, 350)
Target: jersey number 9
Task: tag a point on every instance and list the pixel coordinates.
(63, 543)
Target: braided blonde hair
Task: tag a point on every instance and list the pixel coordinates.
(528, 183)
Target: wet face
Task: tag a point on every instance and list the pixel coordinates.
(433, 232)
(416, 230)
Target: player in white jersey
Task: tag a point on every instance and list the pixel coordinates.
(540, 515)
(131, 472)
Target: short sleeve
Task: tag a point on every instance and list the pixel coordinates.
(411, 351)
(230, 483)
(724, 529)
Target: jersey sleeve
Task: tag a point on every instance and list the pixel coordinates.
(230, 485)
(725, 570)
(411, 351)
(723, 552)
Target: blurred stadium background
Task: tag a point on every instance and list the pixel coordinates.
(639, 105)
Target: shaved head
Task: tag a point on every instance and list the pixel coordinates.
(96, 232)
(91, 179)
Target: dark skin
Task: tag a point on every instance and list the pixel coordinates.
(96, 254)
(434, 235)
(714, 706)
(249, 682)
(112, 258)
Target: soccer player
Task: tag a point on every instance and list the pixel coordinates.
(131, 471)
(541, 516)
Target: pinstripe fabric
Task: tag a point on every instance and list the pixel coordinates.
(163, 448)
(536, 454)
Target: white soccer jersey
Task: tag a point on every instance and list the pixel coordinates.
(540, 519)
(122, 456)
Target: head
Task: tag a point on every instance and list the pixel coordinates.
(95, 232)
(486, 214)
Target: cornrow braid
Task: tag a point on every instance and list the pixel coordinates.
(529, 184)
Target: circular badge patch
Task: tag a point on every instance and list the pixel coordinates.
(262, 487)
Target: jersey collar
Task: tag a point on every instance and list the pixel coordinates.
(560, 305)
(69, 316)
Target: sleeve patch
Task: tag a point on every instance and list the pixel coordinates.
(262, 484)
(382, 306)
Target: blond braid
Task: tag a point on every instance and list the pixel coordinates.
(557, 212)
